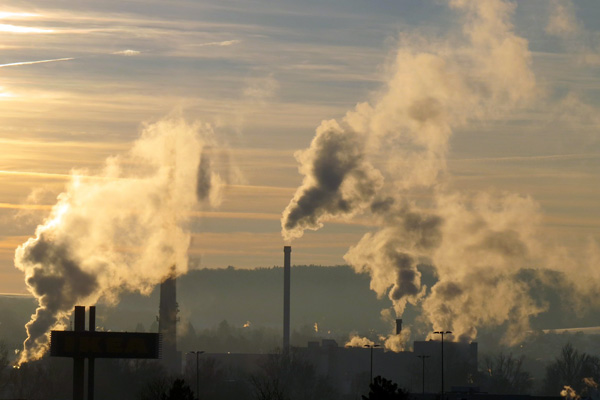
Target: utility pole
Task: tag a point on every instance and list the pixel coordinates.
(442, 333)
(371, 347)
(197, 353)
(423, 357)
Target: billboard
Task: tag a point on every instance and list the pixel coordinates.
(92, 344)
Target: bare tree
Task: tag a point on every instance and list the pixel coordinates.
(504, 374)
(290, 376)
(570, 369)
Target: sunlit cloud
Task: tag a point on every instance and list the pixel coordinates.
(23, 29)
(11, 206)
(36, 174)
(4, 94)
(35, 62)
(127, 52)
(19, 15)
(236, 215)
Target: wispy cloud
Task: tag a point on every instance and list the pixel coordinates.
(261, 89)
(35, 62)
(11, 206)
(127, 52)
(36, 174)
(222, 44)
(18, 15)
(550, 157)
(23, 29)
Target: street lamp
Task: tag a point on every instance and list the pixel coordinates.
(197, 353)
(371, 347)
(423, 357)
(442, 333)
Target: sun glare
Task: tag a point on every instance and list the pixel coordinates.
(10, 14)
(22, 29)
(5, 95)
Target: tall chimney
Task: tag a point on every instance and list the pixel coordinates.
(398, 326)
(167, 323)
(287, 251)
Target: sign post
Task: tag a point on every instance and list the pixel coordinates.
(80, 344)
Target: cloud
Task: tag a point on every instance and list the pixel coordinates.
(127, 52)
(261, 89)
(17, 15)
(223, 43)
(23, 29)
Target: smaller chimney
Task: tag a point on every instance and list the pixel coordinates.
(398, 326)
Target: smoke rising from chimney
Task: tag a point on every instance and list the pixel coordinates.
(338, 180)
(120, 232)
(390, 163)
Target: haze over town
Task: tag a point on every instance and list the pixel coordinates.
(448, 152)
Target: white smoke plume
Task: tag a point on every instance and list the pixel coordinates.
(569, 393)
(395, 342)
(358, 341)
(120, 232)
(477, 244)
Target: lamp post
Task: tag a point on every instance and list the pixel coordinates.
(371, 347)
(423, 357)
(197, 353)
(442, 333)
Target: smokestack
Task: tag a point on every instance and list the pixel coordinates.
(398, 326)
(79, 362)
(91, 360)
(287, 251)
(167, 323)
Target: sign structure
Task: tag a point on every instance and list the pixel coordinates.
(92, 344)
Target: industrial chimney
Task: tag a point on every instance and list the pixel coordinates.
(398, 326)
(167, 323)
(287, 251)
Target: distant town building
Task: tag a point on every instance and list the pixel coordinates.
(349, 368)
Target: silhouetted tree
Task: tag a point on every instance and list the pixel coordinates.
(179, 391)
(268, 389)
(4, 361)
(290, 376)
(504, 374)
(384, 389)
(570, 369)
(212, 377)
(154, 389)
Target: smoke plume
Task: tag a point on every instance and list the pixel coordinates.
(338, 180)
(389, 161)
(120, 231)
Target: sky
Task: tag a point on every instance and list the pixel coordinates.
(255, 85)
